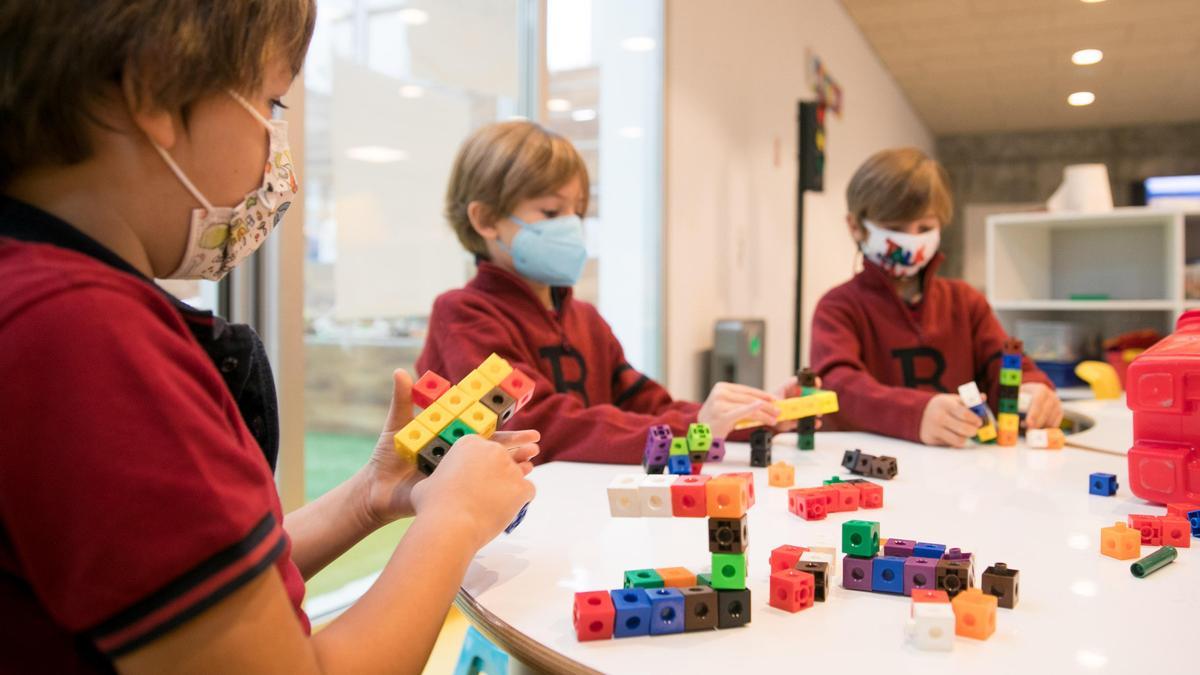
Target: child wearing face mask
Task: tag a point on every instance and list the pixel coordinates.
(896, 341)
(516, 196)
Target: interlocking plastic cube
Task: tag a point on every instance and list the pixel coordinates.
(428, 388)
(791, 590)
(645, 578)
(974, 614)
(699, 437)
(632, 612)
(1120, 542)
(666, 611)
(728, 571)
(857, 573)
(1103, 484)
(654, 493)
(785, 557)
(860, 538)
(727, 498)
(919, 574)
(593, 615)
(932, 626)
(887, 575)
(781, 474)
(689, 497)
(623, 499)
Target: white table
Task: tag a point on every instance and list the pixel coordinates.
(1078, 610)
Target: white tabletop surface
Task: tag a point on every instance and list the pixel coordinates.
(1078, 610)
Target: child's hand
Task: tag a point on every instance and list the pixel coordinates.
(728, 403)
(791, 389)
(478, 485)
(1045, 410)
(946, 421)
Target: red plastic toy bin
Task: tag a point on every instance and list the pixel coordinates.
(1163, 391)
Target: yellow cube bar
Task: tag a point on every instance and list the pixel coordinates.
(435, 418)
(475, 385)
(826, 402)
(480, 419)
(411, 439)
(799, 407)
(495, 369)
(455, 401)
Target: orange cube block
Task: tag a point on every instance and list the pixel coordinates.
(974, 614)
(727, 497)
(746, 476)
(781, 474)
(1006, 437)
(1121, 542)
(676, 577)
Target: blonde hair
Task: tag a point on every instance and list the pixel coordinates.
(503, 164)
(900, 184)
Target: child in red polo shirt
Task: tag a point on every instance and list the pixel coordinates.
(896, 341)
(516, 195)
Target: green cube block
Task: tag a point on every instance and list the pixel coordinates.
(807, 441)
(704, 580)
(860, 538)
(647, 578)
(808, 391)
(455, 431)
(729, 571)
(679, 446)
(1010, 377)
(699, 437)
(1008, 405)
(831, 481)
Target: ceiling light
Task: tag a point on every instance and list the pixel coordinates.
(1081, 98)
(412, 91)
(638, 43)
(558, 105)
(376, 154)
(413, 16)
(583, 115)
(1086, 57)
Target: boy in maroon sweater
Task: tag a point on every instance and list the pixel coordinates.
(515, 199)
(896, 341)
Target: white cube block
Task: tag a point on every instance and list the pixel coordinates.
(828, 555)
(1037, 438)
(969, 393)
(655, 495)
(931, 626)
(623, 499)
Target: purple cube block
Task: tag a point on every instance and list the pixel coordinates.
(658, 448)
(900, 548)
(856, 573)
(716, 451)
(919, 573)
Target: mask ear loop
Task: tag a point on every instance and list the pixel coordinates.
(208, 207)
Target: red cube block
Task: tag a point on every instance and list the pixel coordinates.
(696, 467)
(594, 615)
(785, 557)
(1181, 509)
(1149, 526)
(792, 590)
(428, 389)
(845, 498)
(870, 495)
(807, 503)
(929, 595)
(688, 497)
(519, 386)
(749, 478)
(1176, 531)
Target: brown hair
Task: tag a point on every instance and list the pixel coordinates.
(59, 57)
(900, 184)
(503, 164)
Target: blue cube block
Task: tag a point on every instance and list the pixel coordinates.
(1194, 519)
(924, 549)
(633, 612)
(1011, 361)
(680, 465)
(666, 610)
(887, 574)
(1103, 484)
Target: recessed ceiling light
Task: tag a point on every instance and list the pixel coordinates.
(638, 43)
(583, 115)
(413, 16)
(1086, 57)
(412, 91)
(376, 154)
(1081, 98)
(558, 105)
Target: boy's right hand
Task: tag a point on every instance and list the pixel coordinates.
(480, 484)
(947, 421)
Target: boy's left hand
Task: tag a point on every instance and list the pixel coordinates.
(1045, 410)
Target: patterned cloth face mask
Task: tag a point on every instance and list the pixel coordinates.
(222, 237)
(900, 254)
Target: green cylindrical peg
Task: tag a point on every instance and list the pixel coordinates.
(1154, 562)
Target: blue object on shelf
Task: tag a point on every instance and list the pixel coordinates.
(1061, 373)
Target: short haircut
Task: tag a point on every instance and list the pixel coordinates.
(57, 57)
(503, 164)
(900, 184)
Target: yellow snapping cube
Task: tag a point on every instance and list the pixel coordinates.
(435, 418)
(495, 369)
(455, 401)
(475, 385)
(986, 433)
(1008, 421)
(480, 418)
(411, 439)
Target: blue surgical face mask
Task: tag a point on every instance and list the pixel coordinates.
(550, 251)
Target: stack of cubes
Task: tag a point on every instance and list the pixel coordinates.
(680, 455)
(807, 426)
(760, 447)
(1009, 419)
(858, 462)
(811, 403)
(800, 576)
(673, 599)
(834, 496)
(905, 565)
(483, 401)
(969, 395)
(1172, 529)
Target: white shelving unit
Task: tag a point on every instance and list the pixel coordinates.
(1134, 257)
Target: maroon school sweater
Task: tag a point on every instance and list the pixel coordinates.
(589, 404)
(886, 359)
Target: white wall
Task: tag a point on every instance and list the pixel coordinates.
(733, 75)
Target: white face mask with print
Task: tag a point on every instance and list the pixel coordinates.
(221, 237)
(900, 254)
